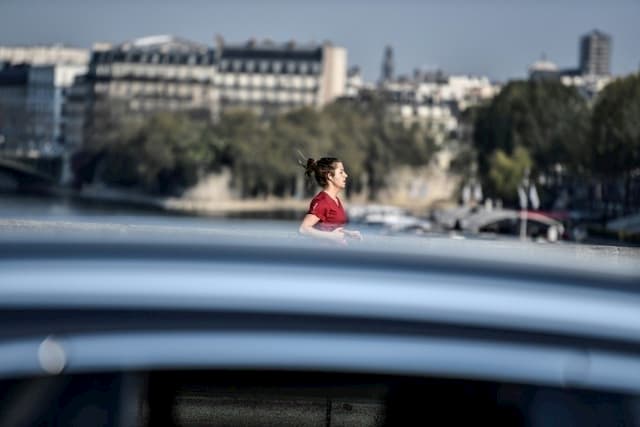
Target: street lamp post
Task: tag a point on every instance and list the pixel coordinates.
(522, 197)
(526, 192)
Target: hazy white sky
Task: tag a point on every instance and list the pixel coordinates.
(498, 38)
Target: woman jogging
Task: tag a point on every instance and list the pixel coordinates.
(326, 216)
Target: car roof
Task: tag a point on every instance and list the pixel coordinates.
(484, 217)
(500, 298)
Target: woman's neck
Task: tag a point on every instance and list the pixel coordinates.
(332, 191)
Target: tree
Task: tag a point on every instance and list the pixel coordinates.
(348, 130)
(615, 153)
(163, 153)
(546, 118)
(241, 136)
(376, 142)
(108, 124)
(507, 172)
(166, 152)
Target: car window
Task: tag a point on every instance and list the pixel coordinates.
(214, 398)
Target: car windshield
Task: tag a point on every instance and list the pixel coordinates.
(301, 213)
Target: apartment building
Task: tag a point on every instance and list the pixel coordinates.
(595, 54)
(267, 77)
(34, 81)
(435, 100)
(32, 97)
(43, 55)
(593, 71)
(152, 73)
(13, 106)
(168, 73)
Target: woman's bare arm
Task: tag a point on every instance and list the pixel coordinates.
(307, 229)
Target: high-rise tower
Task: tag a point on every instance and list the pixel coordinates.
(387, 65)
(595, 53)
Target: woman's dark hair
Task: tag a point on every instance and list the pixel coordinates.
(320, 169)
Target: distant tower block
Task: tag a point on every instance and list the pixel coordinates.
(387, 65)
(595, 54)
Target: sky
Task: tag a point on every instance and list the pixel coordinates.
(494, 38)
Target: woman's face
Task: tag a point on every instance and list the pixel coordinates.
(339, 176)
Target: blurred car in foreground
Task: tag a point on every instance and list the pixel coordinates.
(207, 330)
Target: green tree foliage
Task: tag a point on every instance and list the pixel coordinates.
(379, 143)
(347, 130)
(246, 150)
(506, 172)
(167, 152)
(548, 120)
(109, 124)
(616, 128)
(615, 148)
(163, 153)
(264, 154)
(306, 131)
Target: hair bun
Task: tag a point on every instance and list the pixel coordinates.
(310, 168)
(311, 163)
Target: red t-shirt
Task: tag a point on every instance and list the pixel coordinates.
(330, 212)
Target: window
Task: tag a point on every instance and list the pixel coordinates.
(204, 398)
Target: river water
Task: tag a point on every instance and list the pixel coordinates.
(69, 209)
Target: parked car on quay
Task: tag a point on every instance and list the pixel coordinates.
(163, 327)
(388, 220)
(449, 218)
(508, 222)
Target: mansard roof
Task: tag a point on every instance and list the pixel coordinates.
(14, 75)
(163, 43)
(270, 50)
(166, 49)
(163, 49)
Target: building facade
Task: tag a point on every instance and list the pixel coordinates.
(386, 74)
(167, 73)
(48, 94)
(75, 112)
(436, 100)
(593, 72)
(34, 81)
(150, 74)
(43, 55)
(595, 54)
(270, 78)
(46, 98)
(32, 99)
(13, 106)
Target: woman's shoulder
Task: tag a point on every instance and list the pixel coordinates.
(321, 196)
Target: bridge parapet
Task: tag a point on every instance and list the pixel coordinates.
(29, 172)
